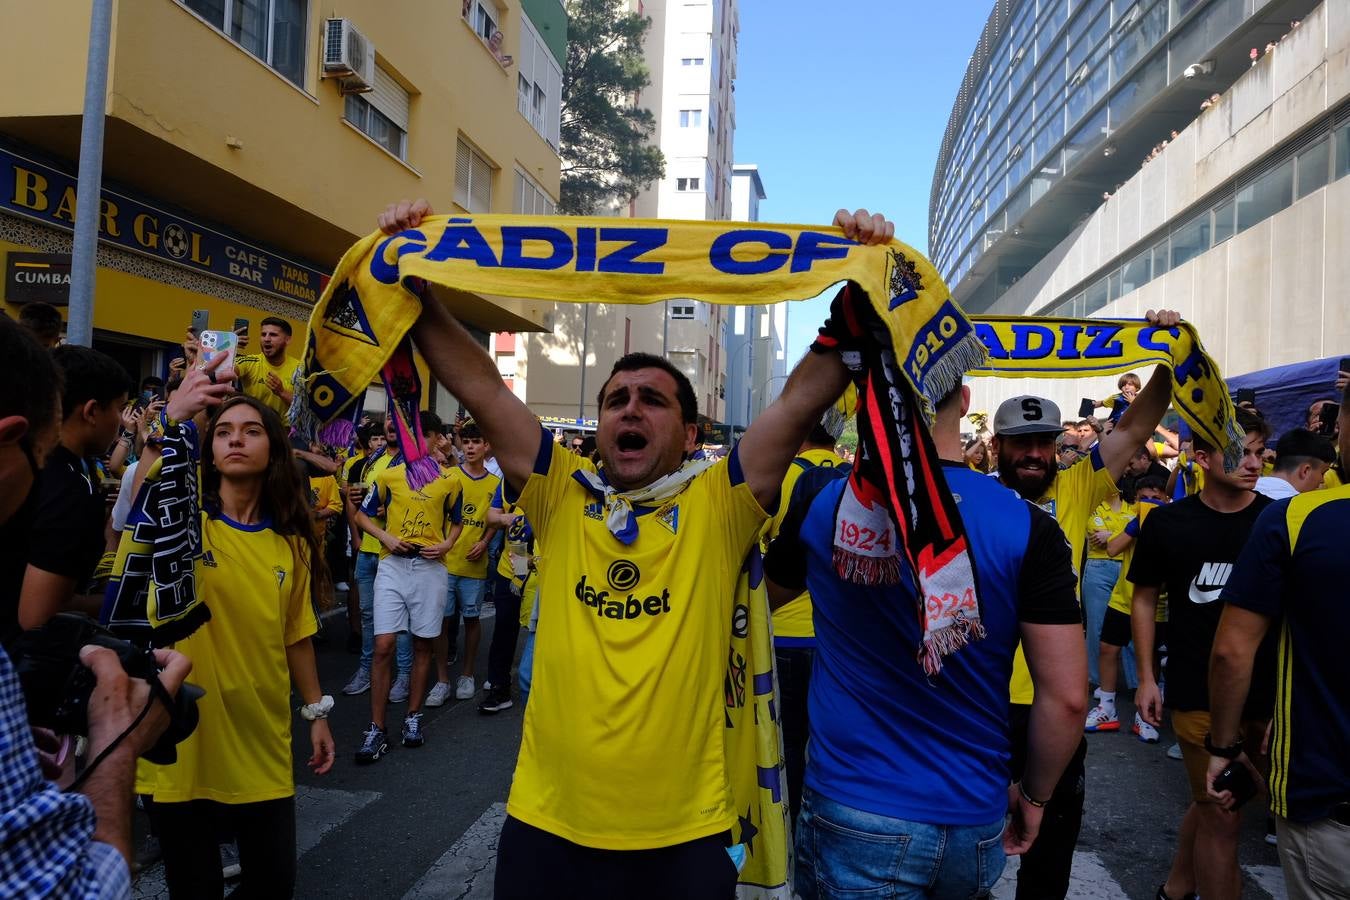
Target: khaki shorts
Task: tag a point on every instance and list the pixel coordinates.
(1191, 728)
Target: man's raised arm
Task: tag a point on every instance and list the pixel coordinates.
(814, 385)
(1138, 423)
(464, 367)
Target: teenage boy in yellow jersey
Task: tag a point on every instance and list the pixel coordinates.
(623, 746)
(1025, 429)
(467, 563)
(513, 570)
(794, 635)
(409, 588)
(359, 479)
(268, 376)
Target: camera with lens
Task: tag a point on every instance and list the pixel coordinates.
(57, 686)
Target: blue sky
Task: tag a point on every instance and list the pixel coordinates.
(844, 104)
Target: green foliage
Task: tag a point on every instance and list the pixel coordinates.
(849, 438)
(605, 138)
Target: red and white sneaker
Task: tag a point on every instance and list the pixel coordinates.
(1144, 731)
(1098, 719)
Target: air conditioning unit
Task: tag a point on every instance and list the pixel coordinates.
(349, 56)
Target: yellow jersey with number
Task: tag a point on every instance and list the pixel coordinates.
(372, 468)
(257, 585)
(792, 622)
(470, 512)
(623, 744)
(253, 370)
(420, 517)
(1072, 499)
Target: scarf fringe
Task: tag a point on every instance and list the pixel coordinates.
(946, 641)
(422, 472)
(867, 570)
(946, 372)
(338, 433)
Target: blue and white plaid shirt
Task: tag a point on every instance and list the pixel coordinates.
(46, 837)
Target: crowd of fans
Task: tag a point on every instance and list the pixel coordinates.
(1109, 549)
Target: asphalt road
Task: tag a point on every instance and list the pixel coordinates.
(423, 823)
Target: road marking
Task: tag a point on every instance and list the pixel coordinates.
(1269, 879)
(466, 870)
(1089, 880)
(317, 812)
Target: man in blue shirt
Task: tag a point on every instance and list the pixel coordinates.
(1294, 568)
(907, 779)
(56, 843)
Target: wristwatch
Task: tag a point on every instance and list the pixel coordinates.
(311, 711)
(1232, 752)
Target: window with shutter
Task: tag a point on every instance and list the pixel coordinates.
(480, 184)
(462, 153)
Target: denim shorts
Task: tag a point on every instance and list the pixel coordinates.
(466, 596)
(845, 852)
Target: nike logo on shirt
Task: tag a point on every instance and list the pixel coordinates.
(1208, 584)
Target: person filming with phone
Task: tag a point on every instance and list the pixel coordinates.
(1294, 568)
(269, 376)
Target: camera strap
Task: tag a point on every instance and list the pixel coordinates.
(157, 690)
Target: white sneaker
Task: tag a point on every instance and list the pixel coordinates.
(1174, 752)
(342, 586)
(398, 691)
(1144, 731)
(1099, 719)
(464, 688)
(439, 694)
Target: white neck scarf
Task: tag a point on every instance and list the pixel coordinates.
(619, 515)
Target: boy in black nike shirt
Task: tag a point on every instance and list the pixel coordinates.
(1188, 549)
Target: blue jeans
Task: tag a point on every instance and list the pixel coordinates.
(847, 853)
(1099, 580)
(366, 566)
(525, 670)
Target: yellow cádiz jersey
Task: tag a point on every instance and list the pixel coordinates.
(253, 370)
(470, 511)
(323, 494)
(419, 517)
(370, 543)
(1107, 519)
(1076, 493)
(793, 620)
(256, 584)
(624, 744)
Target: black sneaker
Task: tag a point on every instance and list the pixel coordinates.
(497, 700)
(1162, 894)
(413, 735)
(374, 744)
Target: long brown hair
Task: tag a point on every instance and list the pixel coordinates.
(284, 497)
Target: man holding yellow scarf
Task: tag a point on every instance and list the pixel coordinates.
(652, 539)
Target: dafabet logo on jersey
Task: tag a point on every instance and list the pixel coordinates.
(622, 577)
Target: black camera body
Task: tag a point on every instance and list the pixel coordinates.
(57, 686)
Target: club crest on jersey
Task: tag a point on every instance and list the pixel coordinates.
(281, 575)
(670, 518)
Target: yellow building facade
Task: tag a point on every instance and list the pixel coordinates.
(250, 142)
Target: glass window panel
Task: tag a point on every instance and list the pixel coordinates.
(1134, 274)
(1181, 7)
(1095, 297)
(1138, 89)
(212, 11)
(248, 26)
(1342, 139)
(1138, 40)
(289, 24)
(1191, 239)
(1206, 31)
(1053, 13)
(1266, 196)
(1113, 286)
(1314, 167)
(1160, 258)
(1019, 204)
(1223, 221)
(1086, 137)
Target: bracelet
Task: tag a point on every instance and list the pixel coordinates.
(311, 711)
(1230, 752)
(1039, 804)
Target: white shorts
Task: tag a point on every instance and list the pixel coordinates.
(410, 595)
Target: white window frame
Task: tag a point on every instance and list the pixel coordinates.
(268, 56)
(484, 11)
(476, 169)
(687, 184)
(539, 85)
(683, 309)
(387, 104)
(530, 199)
(691, 118)
(692, 61)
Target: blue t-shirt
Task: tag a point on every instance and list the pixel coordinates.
(1294, 570)
(885, 738)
